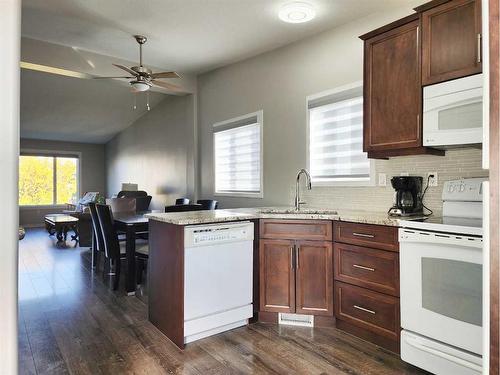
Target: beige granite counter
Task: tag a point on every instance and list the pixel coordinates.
(239, 214)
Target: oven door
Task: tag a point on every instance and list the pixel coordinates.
(453, 112)
(441, 287)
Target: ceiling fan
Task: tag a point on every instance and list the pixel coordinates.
(142, 77)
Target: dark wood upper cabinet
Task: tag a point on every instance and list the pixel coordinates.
(277, 275)
(392, 89)
(451, 40)
(314, 278)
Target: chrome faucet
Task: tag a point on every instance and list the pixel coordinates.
(298, 202)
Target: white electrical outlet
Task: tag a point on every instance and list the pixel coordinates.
(404, 174)
(433, 181)
(382, 179)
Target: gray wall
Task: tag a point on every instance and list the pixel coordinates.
(93, 172)
(278, 83)
(157, 152)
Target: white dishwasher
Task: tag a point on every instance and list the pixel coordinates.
(218, 266)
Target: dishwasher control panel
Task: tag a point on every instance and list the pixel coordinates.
(199, 235)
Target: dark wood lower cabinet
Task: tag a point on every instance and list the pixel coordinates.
(352, 287)
(374, 269)
(314, 278)
(372, 311)
(296, 273)
(277, 275)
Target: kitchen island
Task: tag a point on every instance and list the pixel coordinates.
(289, 269)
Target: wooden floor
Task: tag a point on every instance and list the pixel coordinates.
(72, 322)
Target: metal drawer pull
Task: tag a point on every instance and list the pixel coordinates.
(363, 235)
(363, 309)
(363, 267)
(291, 257)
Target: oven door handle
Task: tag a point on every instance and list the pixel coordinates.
(438, 353)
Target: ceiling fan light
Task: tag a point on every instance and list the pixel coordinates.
(140, 86)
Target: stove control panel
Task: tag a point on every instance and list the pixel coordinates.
(464, 190)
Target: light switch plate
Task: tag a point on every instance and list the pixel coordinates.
(433, 182)
(382, 179)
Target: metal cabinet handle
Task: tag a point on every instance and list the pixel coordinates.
(479, 48)
(297, 248)
(363, 267)
(291, 257)
(363, 235)
(363, 309)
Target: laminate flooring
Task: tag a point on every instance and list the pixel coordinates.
(71, 321)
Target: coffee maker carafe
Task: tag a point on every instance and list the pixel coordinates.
(407, 196)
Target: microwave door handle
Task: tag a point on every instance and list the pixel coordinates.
(441, 354)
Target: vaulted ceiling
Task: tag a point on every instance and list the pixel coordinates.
(189, 36)
(62, 108)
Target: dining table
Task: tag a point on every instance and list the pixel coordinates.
(132, 224)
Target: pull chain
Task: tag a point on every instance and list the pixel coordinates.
(135, 101)
(147, 100)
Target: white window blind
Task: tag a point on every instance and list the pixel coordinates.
(336, 139)
(237, 153)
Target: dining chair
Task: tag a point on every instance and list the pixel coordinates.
(208, 204)
(122, 204)
(184, 208)
(142, 203)
(179, 201)
(115, 250)
(98, 243)
(131, 194)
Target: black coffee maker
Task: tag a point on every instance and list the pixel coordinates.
(407, 196)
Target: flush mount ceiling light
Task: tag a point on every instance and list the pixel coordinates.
(296, 12)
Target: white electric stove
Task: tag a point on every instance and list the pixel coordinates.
(441, 283)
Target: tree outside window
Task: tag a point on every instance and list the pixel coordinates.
(47, 180)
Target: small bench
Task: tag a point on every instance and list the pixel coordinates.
(61, 224)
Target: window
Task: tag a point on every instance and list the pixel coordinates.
(238, 156)
(48, 179)
(335, 127)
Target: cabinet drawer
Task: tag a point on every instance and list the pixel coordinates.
(320, 230)
(376, 236)
(372, 311)
(374, 269)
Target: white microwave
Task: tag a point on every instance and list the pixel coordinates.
(453, 113)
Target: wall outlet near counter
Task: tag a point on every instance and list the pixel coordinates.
(382, 179)
(404, 174)
(433, 181)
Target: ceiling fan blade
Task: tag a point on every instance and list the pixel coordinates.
(54, 70)
(128, 70)
(165, 75)
(165, 85)
(112, 77)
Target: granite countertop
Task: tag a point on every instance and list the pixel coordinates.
(239, 214)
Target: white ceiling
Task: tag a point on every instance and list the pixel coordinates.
(71, 109)
(190, 36)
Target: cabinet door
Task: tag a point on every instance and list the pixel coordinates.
(392, 97)
(451, 41)
(277, 275)
(314, 273)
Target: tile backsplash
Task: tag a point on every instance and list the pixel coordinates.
(459, 163)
